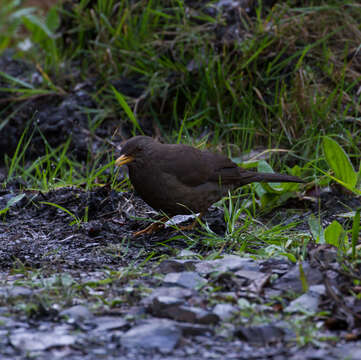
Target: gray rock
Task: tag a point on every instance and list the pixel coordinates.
(8, 322)
(225, 311)
(291, 280)
(260, 335)
(187, 253)
(77, 313)
(173, 308)
(250, 275)
(348, 351)
(186, 279)
(15, 291)
(106, 323)
(318, 289)
(172, 265)
(164, 302)
(189, 329)
(178, 219)
(193, 314)
(320, 354)
(156, 335)
(172, 291)
(227, 263)
(165, 306)
(308, 302)
(275, 266)
(41, 340)
(255, 280)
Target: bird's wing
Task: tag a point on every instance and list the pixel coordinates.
(193, 167)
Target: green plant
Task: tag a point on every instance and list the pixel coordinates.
(11, 202)
(10, 22)
(43, 33)
(122, 102)
(76, 219)
(273, 194)
(21, 148)
(341, 165)
(355, 232)
(335, 234)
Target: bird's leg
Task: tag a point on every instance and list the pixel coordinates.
(152, 227)
(193, 224)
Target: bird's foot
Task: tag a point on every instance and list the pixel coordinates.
(192, 225)
(187, 227)
(151, 228)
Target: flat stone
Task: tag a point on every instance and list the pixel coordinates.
(318, 289)
(178, 219)
(250, 275)
(186, 279)
(172, 265)
(172, 291)
(193, 314)
(77, 313)
(164, 306)
(106, 323)
(225, 311)
(308, 302)
(322, 354)
(275, 266)
(189, 329)
(187, 253)
(163, 302)
(291, 281)
(155, 335)
(175, 309)
(348, 351)
(16, 291)
(260, 335)
(227, 263)
(8, 322)
(40, 340)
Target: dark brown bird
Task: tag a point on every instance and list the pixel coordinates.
(179, 179)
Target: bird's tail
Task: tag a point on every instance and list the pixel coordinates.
(252, 176)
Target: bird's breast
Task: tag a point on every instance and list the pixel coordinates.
(165, 192)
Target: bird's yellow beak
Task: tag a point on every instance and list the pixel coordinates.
(124, 159)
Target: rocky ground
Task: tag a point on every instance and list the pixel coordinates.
(90, 290)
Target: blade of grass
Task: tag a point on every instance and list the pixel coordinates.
(121, 100)
(355, 232)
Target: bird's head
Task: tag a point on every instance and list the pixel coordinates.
(134, 148)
